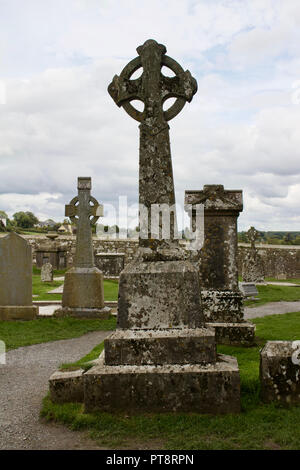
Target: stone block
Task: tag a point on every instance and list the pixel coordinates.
(159, 294)
(211, 388)
(238, 334)
(280, 373)
(18, 312)
(66, 386)
(173, 346)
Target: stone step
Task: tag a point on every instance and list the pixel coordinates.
(167, 346)
(211, 388)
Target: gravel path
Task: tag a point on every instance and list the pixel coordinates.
(271, 308)
(24, 383)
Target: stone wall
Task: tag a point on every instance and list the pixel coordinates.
(128, 247)
(279, 261)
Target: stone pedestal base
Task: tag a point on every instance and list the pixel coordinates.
(223, 310)
(83, 294)
(159, 294)
(210, 388)
(236, 334)
(157, 371)
(18, 312)
(280, 372)
(161, 358)
(224, 306)
(100, 313)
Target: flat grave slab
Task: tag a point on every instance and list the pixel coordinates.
(248, 289)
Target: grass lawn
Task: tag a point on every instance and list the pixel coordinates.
(40, 288)
(258, 426)
(41, 330)
(271, 293)
(294, 281)
(33, 234)
(25, 333)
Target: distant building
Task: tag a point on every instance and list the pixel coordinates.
(65, 228)
(46, 223)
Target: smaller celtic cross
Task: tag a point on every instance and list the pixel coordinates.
(80, 210)
(252, 235)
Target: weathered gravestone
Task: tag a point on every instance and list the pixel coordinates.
(83, 294)
(47, 272)
(253, 266)
(162, 357)
(16, 279)
(217, 263)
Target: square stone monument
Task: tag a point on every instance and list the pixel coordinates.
(16, 279)
(51, 250)
(217, 263)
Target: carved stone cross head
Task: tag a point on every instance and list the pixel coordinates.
(84, 205)
(153, 88)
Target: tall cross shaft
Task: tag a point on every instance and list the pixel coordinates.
(156, 183)
(79, 211)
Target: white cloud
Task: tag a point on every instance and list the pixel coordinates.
(59, 122)
(42, 204)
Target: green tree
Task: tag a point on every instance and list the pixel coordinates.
(273, 241)
(242, 237)
(287, 239)
(3, 215)
(25, 219)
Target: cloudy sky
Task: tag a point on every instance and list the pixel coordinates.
(58, 122)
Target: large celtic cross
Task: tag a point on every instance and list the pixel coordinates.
(156, 185)
(80, 210)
